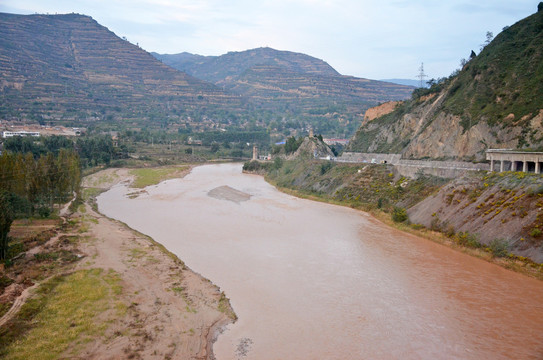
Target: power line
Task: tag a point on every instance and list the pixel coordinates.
(421, 75)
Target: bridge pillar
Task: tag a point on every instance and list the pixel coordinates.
(525, 166)
(501, 165)
(537, 167)
(492, 165)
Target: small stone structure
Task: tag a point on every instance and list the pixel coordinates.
(512, 160)
(255, 152)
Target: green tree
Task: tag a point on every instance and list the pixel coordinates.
(291, 145)
(6, 218)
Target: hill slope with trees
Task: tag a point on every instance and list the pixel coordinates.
(68, 68)
(292, 86)
(494, 101)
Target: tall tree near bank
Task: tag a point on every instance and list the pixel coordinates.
(6, 218)
(47, 180)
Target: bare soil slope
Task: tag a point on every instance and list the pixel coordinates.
(506, 206)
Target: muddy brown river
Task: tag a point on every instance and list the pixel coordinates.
(315, 281)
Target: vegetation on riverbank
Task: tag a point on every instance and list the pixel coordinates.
(152, 176)
(363, 186)
(92, 287)
(381, 191)
(61, 314)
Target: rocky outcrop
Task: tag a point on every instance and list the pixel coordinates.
(312, 147)
(380, 110)
(425, 131)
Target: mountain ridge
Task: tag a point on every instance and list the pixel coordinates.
(233, 63)
(69, 67)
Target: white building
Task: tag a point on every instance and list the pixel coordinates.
(6, 134)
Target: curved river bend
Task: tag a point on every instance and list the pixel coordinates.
(315, 281)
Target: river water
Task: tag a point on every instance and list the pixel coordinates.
(315, 281)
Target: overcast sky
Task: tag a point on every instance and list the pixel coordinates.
(380, 39)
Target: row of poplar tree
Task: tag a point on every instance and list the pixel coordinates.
(30, 185)
(38, 173)
(36, 184)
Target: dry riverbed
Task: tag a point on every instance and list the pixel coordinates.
(100, 290)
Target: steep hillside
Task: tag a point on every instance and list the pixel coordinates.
(495, 101)
(293, 86)
(69, 68)
(496, 207)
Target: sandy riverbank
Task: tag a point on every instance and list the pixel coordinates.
(160, 309)
(173, 312)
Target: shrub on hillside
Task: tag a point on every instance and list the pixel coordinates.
(467, 239)
(277, 163)
(255, 166)
(399, 214)
(325, 167)
(499, 247)
(536, 232)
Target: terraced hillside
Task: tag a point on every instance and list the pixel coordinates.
(292, 85)
(272, 86)
(70, 69)
(232, 64)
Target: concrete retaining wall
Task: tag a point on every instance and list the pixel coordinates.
(369, 158)
(412, 168)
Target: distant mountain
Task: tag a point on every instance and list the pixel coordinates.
(68, 68)
(232, 64)
(495, 101)
(295, 86)
(407, 82)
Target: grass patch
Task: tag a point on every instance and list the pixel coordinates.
(4, 308)
(62, 313)
(152, 176)
(225, 308)
(91, 192)
(136, 254)
(161, 247)
(178, 289)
